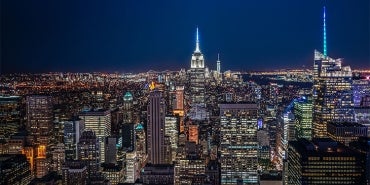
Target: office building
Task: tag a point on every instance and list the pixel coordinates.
(332, 91)
(128, 136)
(303, 118)
(110, 150)
(155, 128)
(131, 167)
(345, 133)
(113, 172)
(363, 145)
(40, 118)
(58, 157)
(324, 161)
(189, 171)
(360, 91)
(157, 174)
(14, 169)
(10, 115)
(193, 133)
(100, 123)
(127, 108)
(332, 94)
(197, 75)
(88, 150)
(172, 131)
(179, 105)
(74, 172)
(239, 145)
(72, 133)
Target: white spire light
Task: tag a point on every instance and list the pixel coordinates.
(197, 42)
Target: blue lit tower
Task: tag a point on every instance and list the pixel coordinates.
(332, 92)
(197, 74)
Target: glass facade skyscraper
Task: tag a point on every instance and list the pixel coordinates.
(332, 93)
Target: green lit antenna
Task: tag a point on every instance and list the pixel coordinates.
(324, 32)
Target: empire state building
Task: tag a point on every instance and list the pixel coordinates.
(197, 75)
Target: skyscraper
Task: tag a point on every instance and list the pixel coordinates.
(14, 169)
(324, 161)
(40, 126)
(197, 75)
(88, 151)
(332, 92)
(179, 98)
(155, 128)
(40, 118)
(239, 145)
(218, 64)
(303, 116)
(127, 108)
(128, 136)
(72, 131)
(99, 122)
(10, 116)
(172, 131)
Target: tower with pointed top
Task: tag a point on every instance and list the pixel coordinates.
(197, 75)
(218, 64)
(332, 92)
(197, 59)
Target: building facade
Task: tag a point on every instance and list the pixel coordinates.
(100, 123)
(332, 93)
(324, 161)
(155, 128)
(239, 145)
(197, 75)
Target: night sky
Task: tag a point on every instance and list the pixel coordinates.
(135, 36)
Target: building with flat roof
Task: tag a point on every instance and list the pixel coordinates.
(239, 144)
(346, 132)
(324, 161)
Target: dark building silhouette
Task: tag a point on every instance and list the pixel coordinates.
(324, 161)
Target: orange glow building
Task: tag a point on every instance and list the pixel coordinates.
(193, 133)
(28, 152)
(179, 98)
(41, 163)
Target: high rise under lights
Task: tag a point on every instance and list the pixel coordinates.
(155, 128)
(197, 75)
(238, 137)
(100, 123)
(332, 91)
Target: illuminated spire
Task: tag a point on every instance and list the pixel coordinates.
(324, 32)
(218, 64)
(197, 42)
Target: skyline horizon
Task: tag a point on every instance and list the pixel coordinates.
(61, 44)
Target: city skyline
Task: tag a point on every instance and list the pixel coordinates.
(200, 123)
(87, 38)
